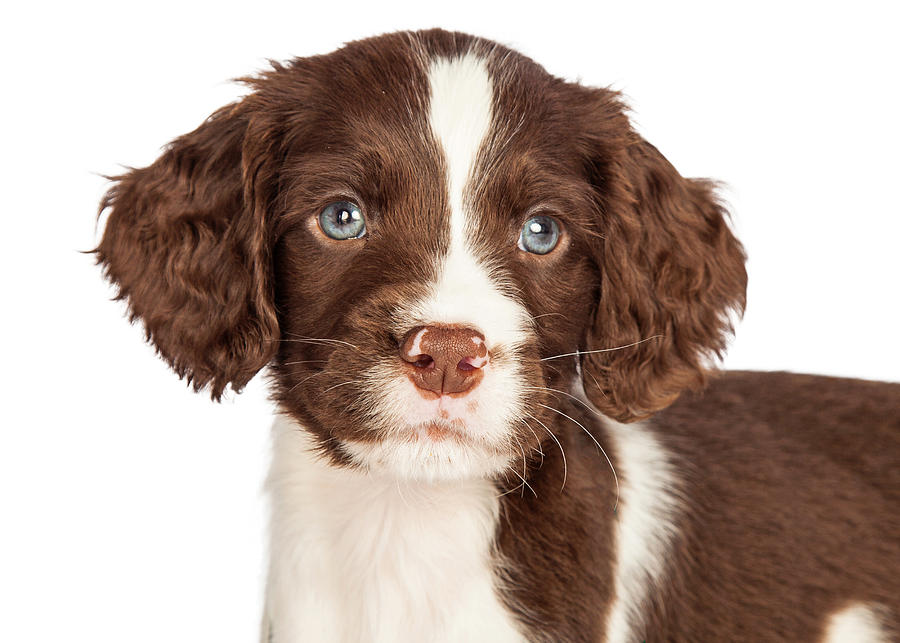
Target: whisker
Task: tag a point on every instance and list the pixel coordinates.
(561, 451)
(553, 368)
(524, 483)
(324, 339)
(603, 350)
(591, 435)
(513, 490)
(314, 340)
(524, 471)
(569, 395)
(547, 315)
(597, 384)
(300, 339)
(536, 438)
(341, 384)
(305, 379)
(304, 361)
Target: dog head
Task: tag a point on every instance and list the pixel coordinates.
(427, 237)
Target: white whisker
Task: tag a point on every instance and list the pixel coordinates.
(559, 444)
(304, 380)
(536, 438)
(591, 435)
(341, 384)
(300, 339)
(524, 483)
(524, 471)
(603, 350)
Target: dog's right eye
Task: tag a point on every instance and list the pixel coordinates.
(342, 220)
(539, 235)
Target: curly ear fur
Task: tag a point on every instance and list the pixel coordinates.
(671, 273)
(186, 244)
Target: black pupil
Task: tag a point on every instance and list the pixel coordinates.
(344, 217)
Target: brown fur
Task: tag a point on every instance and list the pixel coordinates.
(789, 514)
(187, 245)
(791, 483)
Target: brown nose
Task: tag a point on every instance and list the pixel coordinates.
(444, 359)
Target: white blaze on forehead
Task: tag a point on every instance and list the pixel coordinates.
(460, 117)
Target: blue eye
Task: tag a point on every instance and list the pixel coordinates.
(539, 235)
(342, 220)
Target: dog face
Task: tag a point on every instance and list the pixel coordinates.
(429, 239)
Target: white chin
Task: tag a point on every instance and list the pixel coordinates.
(427, 460)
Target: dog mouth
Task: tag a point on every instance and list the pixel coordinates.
(441, 431)
(363, 403)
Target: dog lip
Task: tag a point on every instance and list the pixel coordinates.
(438, 431)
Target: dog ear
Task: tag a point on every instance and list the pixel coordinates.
(671, 273)
(186, 243)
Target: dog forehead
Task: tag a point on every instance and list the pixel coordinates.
(445, 159)
(392, 109)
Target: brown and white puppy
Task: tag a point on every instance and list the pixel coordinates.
(467, 276)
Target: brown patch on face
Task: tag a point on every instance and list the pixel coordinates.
(374, 151)
(646, 273)
(338, 302)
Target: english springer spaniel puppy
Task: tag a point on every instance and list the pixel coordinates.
(490, 311)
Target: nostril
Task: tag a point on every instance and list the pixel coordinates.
(466, 365)
(444, 359)
(423, 361)
(472, 363)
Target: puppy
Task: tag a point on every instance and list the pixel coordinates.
(482, 296)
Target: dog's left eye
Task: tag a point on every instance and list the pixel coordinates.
(342, 220)
(539, 235)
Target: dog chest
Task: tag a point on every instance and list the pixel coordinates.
(356, 557)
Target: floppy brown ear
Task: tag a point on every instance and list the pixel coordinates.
(669, 267)
(186, 243)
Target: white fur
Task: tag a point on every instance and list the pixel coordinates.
(648, 507)
(858, 623)
(466, 293)
(645, 525)
(482, 418)
(357, 556)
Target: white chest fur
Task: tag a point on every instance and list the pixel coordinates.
(355, 557)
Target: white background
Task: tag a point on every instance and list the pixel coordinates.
(131, 507)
